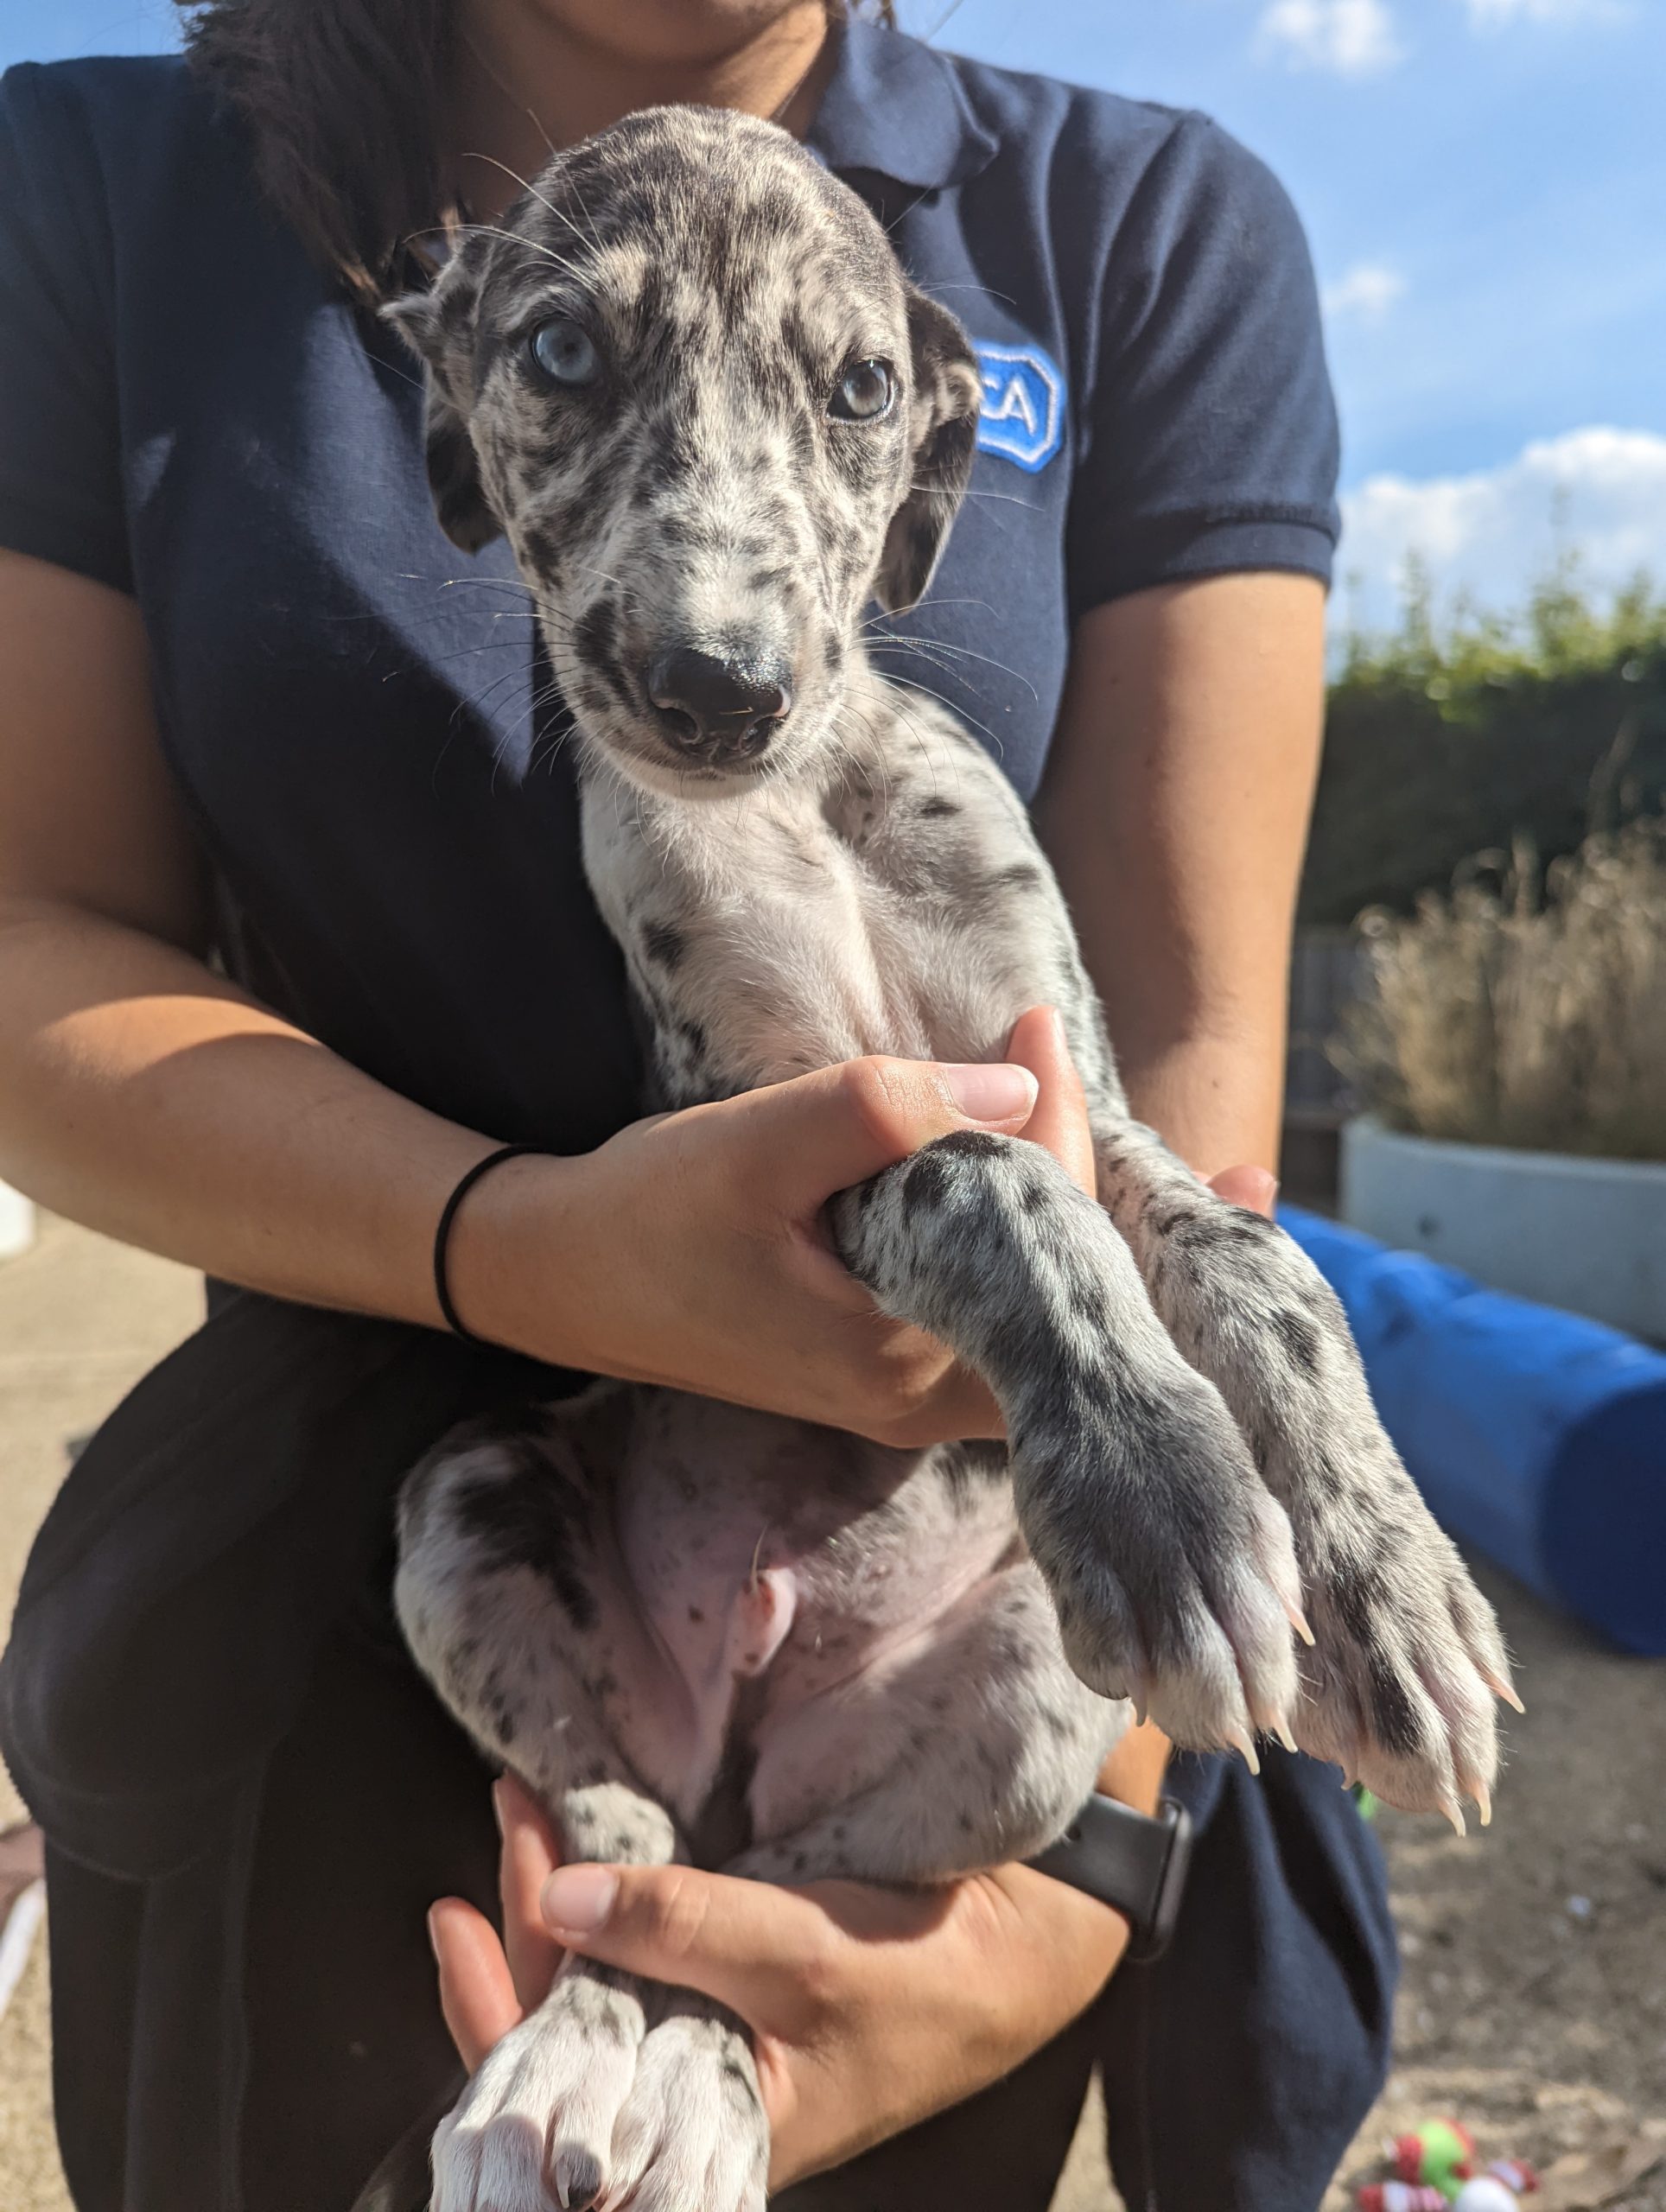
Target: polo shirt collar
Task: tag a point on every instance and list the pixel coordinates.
(896, 105)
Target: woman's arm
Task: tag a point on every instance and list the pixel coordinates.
(139, 1092)
(143, 1095)
(1175, 811)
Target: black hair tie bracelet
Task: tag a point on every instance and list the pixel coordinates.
(443, 1234)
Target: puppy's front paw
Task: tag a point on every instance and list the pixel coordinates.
(1170, 1564)
(536, 2124)
(1398, 1688)
(692, 2136)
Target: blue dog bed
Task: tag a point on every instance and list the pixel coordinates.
(1535, 1436)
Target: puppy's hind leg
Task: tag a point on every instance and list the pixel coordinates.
(506, 1607)
(977, 1745)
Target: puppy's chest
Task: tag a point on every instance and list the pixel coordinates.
(790, 936)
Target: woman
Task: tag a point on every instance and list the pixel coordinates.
(258, 708)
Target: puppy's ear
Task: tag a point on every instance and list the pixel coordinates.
(943, 433)
(438, 326)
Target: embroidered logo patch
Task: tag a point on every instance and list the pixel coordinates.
(1023, 417)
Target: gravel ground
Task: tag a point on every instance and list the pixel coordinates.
(1535, 2002)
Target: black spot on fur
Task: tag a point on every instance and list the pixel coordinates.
(1300, 1338)
(739, 2086)
(1395, 1720)
(663, 944)
(1359, 1596)
(925, 1182)
(534, 1516)
(969, 1144)
(595, 645)
(937, 810)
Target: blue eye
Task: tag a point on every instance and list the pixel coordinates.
(863, 394)
(563, 350)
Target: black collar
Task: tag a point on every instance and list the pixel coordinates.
(896, 105)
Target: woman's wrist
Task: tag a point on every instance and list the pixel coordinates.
(509, 1268)
(1132, 1773)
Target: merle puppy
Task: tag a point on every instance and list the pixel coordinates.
(687, 380)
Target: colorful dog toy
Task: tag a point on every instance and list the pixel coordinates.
(1440, 2154)
(1486, 2193)
(1434, 2171)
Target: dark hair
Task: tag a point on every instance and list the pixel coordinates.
(345, 100)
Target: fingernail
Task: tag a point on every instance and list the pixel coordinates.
(498, 1813)
(577, 1900)
(434, 1934)
(999, 1092)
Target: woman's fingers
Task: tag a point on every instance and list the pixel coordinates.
(477, 1991)
(829, 1131)
(1060, 1120)
(530, 1855)
(742, 1942)
(775, 1956)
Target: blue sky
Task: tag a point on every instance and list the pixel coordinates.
(1484, 185)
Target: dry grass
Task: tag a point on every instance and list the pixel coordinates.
(1525, 1012)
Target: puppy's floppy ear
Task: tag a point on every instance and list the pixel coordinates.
(438, 326)
(947, 392)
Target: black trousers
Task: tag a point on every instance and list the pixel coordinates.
(269, 2069)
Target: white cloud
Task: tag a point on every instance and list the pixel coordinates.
(1364, 293)
(1493, 534)
(1354, 38)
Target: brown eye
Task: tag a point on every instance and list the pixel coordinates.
(863, 394)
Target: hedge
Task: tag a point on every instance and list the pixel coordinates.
(1448, 740)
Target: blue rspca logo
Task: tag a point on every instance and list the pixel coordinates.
(1023, 417)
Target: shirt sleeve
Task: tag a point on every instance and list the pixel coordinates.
(61, 482)
(1209, 441)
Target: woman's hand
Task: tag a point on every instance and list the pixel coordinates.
(690, 1249)
(870, 2009)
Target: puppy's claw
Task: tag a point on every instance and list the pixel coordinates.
(1244, 1743)
(1483, 1797)
(1502, 1688)
(1298, 1623)
(1454, 1813)
(578, 2178)
(1278, 1727)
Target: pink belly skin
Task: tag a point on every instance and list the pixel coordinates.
(788, 1578)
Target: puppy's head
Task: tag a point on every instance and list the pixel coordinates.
(686, 380)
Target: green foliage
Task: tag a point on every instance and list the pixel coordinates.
(1449, 739)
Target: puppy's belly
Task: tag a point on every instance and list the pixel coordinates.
(797, 1582)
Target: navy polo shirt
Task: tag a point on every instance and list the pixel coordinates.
(191, 412)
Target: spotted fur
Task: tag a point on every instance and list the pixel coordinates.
(701, 1632)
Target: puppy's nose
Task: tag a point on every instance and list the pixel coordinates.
(721, 706)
